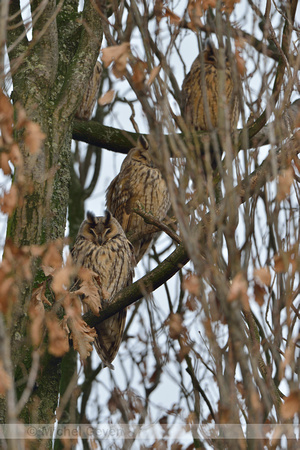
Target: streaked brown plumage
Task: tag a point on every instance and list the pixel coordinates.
(90, 95)
(101, 245)
(193, 105)
(138, 183)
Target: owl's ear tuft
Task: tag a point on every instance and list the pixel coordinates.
(107, 217)
(143, 142)
(209, 51)
(90, 217)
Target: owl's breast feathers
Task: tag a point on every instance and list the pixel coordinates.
(101, 246)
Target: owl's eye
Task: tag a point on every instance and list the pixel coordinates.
(93, 233)
(106, 232)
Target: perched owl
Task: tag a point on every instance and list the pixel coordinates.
(138, 183)
(90, 95)
(194, 111)
(101, 245)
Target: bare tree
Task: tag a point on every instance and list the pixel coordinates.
(219, 343)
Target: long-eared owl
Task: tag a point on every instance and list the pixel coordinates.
(139, 183)
(101, 245)
(193, 104)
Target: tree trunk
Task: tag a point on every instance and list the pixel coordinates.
(55, 67)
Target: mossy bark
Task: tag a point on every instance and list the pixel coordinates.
(49, 83)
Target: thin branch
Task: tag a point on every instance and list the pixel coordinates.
(30, 383)
(151, 220)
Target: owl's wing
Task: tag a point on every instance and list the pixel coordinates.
(121, 197)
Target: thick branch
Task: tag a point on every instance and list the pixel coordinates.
(142, 287)
(102, 136)
(121, 141)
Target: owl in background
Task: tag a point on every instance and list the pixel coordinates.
(193, 105)
(139, 183)
(90, 95)
(101, 246)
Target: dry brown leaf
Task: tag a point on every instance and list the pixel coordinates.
(37, 315)
(229, 5)
(174, 19)
(91, 296)
(6, 118)
(107, 98)
(279, 264)
(61, 279)
(291, 405)
(19, 260)
(192, 284)
(287, 259)
(110, 54)
(58, 338)
(83, 336)
(191, 303)
(139, 74)
(86, 274)
(175, 326)
(259, 294)
(8, 291)
(4, 163)
(119, 54)
(72, 306)
(240, 63)
(52, 257)
(288, 358)
(195, 13)
(238, 290)
(119, 66)
(153, 74)
(9, 201)
(240, 42)
(33, 136)
(285, 182)
(15, 155)
(5, 380)
(262, 276)
(48, 271)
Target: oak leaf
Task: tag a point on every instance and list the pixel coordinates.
(58, 337)
(118, 54)
(285, 181)
(106, 98)
(238, 290)
(9, 201)
(291, 405)
(83, 336)
(5, 380)
(37, 314)
(90, 295)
